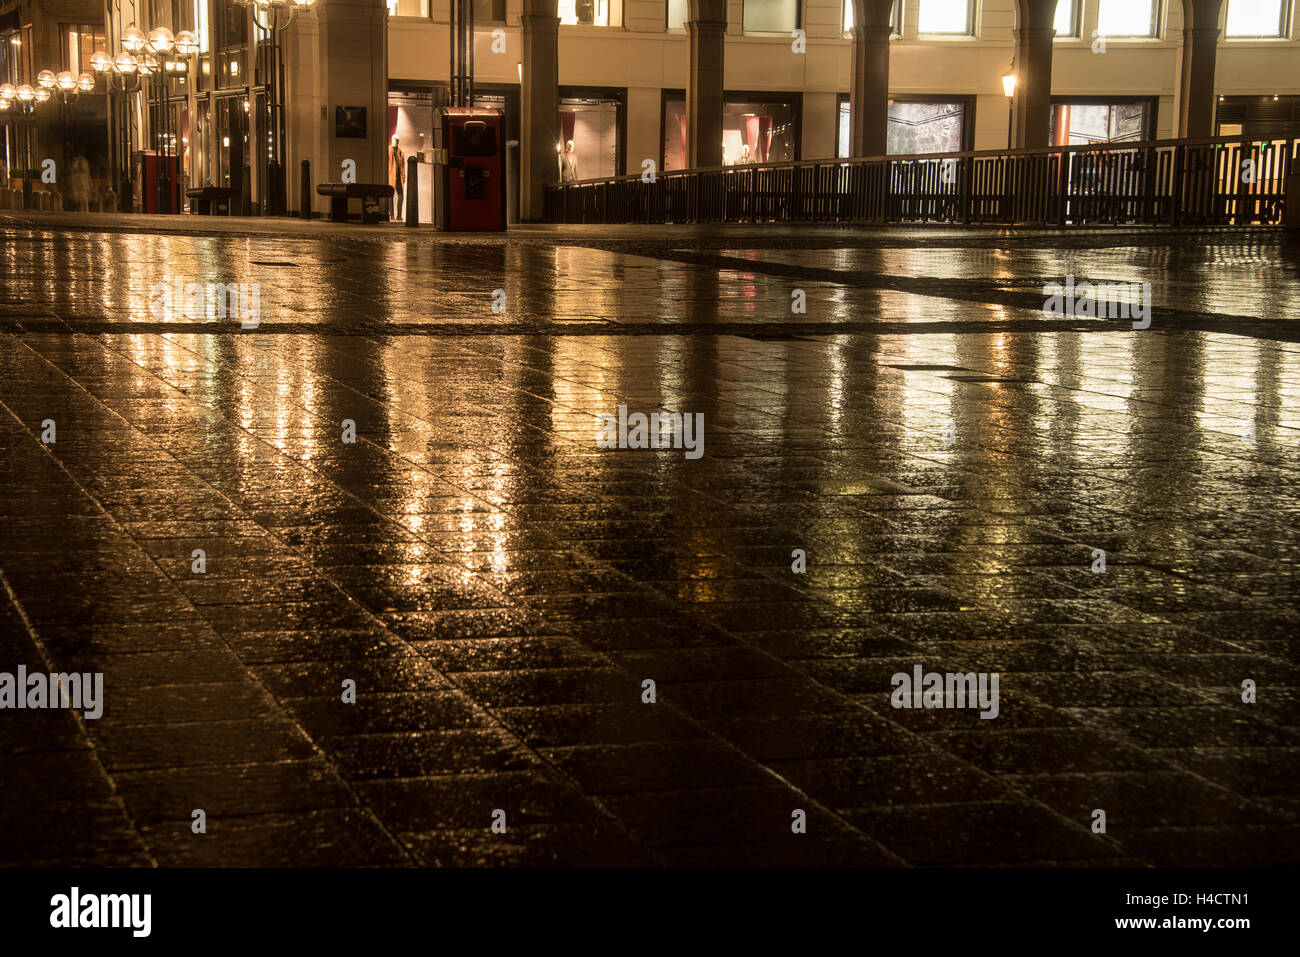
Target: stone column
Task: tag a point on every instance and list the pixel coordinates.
(869, 94)
(1033, 100)
(539, 106)
(706, 28)
(1196, 70)
(353, 69)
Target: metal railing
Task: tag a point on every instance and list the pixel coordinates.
(1224, 181)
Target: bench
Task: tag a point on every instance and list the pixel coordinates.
(369, 193)
(205, 199)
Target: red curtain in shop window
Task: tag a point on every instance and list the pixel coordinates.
(751, 137)
(566, 126)
(682, 119)
(765, 138)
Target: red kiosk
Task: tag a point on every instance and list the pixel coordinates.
(474, 176)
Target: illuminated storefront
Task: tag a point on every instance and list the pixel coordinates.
(756, 128)
(1078, 121)
(919, 124)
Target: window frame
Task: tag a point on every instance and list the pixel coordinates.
(895, 18)
(1151, 102)
(412, 16)
(955, 35)
(616, 95)
(968, 102)
(1076, 22)
(798, 21)
(618, 5)
(26, 68)
(1157, 17)
(791, 99)
(1283, 26)
(96, 32)
(668, 27)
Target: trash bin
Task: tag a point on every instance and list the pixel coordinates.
(473, 177)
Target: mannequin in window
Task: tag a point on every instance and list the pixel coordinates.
(744, 156)
(396, 176)
(568, 164)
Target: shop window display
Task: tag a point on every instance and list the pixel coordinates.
(1083, 124)
(410, 133)
(914, 127)
(588, 145)
(752, 132)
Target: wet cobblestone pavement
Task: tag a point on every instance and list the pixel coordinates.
(950, 461)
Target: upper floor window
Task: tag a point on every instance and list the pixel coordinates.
(591, 13)
(946, 17)
(770, 16)
(8, 61)
(1127, 18)
(895, 17)
(1067, 17)
(408, 8)
(25, 52)
(1257, 18)
(676, 14)
(80, 41)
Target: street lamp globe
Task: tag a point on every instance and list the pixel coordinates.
(8, 91)
(133, 39)
(86, 82)
(26, 94)
(125, 64)
(67, 82)
(46, 79)
(161, 39)
(42, 95)
(186, 43)
(101, 62)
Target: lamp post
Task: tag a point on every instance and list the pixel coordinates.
(121, 80)
(158, 55)
(20, 102)
(1009, 89)
(273, 17)
(66, 88)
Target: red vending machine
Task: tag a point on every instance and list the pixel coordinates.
(474, 177)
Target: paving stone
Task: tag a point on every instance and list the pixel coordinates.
(498, 586)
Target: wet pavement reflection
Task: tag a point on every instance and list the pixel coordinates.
(395, 480)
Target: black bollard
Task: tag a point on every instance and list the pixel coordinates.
(412, 191)
(304, 193)
(246, 192)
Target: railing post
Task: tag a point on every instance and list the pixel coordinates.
(966, 170)
(1291, 195)
(1176, 185)
(1008, 192)
(1150, 163)
(1243, 185)
(1062, 192)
